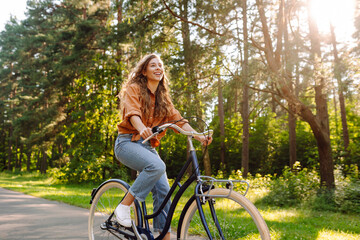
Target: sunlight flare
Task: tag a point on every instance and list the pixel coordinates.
(340, 13)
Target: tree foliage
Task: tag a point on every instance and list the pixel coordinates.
(63, 65)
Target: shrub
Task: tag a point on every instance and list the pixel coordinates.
(255, 182)
(301, 186)
(347, 196)
(292, 187)
(90, 169)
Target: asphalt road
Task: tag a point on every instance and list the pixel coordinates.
(27, 217)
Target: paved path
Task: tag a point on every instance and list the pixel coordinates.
(27, 217)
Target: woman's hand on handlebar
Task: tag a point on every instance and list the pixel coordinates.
(205, 140)
(146, 132)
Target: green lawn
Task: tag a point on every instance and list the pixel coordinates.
(284, 223)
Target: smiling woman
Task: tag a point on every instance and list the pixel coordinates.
(340, 13)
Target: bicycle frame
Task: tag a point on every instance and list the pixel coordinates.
(143, 218)
(182, 188)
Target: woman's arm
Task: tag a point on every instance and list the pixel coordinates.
(144, 131)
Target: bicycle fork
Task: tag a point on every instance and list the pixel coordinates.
(200, 201)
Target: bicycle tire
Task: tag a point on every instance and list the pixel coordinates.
(103, 204)
(238, 217)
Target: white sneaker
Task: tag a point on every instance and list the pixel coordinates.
(122, 214)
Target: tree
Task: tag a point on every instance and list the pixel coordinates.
(245, 98)
(318, 123)
(191, 53)
(221, 121)
(338, 72)
(289, 65)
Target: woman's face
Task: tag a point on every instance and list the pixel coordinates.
(154, 70)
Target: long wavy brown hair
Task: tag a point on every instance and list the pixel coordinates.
(163, 103)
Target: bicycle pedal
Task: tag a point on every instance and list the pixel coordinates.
(107, 225)
(121, 227)
(103, 226)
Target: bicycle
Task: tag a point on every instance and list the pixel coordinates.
(223, 213)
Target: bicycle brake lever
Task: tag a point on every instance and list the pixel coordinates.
(156, 130)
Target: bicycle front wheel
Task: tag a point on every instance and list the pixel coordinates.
(103, 205)
(236, 216)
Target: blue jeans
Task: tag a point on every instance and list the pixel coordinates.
(144, 159)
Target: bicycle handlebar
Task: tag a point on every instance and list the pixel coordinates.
(161, 128)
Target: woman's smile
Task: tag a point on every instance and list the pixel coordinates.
(154, 70)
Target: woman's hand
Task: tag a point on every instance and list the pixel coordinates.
(146, 132)
(205, 139)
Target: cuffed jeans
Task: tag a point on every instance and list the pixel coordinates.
(144, 159)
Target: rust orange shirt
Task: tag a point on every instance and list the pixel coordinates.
(132, 106)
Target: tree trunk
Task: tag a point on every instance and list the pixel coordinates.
(245, 98)
(28, 160)
(187, 60)
(317, 123)
(10, 138)
(289, 65)
(43, 161)
(38, 161)
(323, 142)
(206, 159)
(9, 164)
(221, 123)
(292, 139)
(119, 4)
(338, 73)
(192, 92)
(19, 163)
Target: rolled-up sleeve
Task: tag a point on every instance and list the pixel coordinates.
(175, 116)
(132, 104)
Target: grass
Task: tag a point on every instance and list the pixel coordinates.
(284, 223)
(44, 187)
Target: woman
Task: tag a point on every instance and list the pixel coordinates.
(146, 103)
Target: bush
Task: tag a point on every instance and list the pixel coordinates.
(302, 186)
(90, 169)
(347, 196)
(255, 182)
(293, 187)
(323, 200)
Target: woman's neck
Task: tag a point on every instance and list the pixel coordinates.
(152, 85)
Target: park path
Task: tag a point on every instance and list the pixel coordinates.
(26, 217)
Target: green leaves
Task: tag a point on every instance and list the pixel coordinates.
(62, 67)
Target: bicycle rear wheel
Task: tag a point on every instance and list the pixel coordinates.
(103, 205)
(238, 218)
